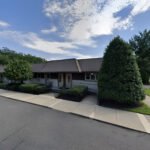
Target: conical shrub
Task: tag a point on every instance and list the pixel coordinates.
(119, 79)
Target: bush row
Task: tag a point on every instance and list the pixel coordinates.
(27, 88)
(76, 93)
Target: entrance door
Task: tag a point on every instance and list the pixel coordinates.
(61, 80)
(68, 80)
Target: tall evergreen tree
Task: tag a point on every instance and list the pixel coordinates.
(119, 78)
(141, 45)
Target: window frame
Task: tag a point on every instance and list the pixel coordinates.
(90, 74)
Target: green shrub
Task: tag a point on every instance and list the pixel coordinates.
(10, 86)
(2, 86)
(33, 88)
(18, 71)
(119, 79)
(13, 86)
(76, 93)
(27, 88)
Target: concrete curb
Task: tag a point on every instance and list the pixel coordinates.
(24, 101)
(110, 123)
(83, 116)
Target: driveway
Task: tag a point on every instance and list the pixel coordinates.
(25, 126)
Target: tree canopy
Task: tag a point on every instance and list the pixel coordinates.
(18, 71)
(6, 55)
(119, 78)
(141, 46)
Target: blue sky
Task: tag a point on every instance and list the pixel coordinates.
(58, 29)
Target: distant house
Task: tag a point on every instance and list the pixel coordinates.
(67, 73)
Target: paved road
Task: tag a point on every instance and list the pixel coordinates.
(28, 127)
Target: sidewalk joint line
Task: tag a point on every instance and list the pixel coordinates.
(52, 105)
(144, 122)
(92, 115)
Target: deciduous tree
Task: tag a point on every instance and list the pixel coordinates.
(18, 71)
(141, 46)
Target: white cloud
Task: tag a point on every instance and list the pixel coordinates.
(84, 19)
(4, 24)
(79, 22)
(48, 31)
(140, 6)
(33, 41)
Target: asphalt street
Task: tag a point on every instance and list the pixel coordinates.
(25, 126)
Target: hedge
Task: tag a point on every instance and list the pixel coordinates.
(13, 86)
(2, 86)
(27, 88)
(76, 93)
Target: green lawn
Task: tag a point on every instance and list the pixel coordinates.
(143, 109)
(147, 92)
(138, 108)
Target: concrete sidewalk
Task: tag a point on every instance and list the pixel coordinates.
(86, 108)
(147, 100)
(146, 86)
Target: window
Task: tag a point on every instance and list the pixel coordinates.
(48, 75)
(38, 75)
(42, 75)
(35, 75)
(78, 76)
(87, 76)
(91, 76)
(54, 75)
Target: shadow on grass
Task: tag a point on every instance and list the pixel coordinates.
(114, 104)
(139, 107)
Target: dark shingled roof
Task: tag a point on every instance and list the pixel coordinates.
(38, 67)
(90, 65)
(67, 65)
